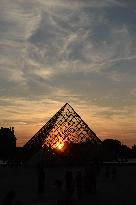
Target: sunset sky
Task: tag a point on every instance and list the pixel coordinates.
(78, 51)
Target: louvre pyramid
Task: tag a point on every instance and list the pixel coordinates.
(65, 126)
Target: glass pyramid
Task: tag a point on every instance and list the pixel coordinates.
(65, 126)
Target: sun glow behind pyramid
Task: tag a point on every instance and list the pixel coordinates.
(59, 145)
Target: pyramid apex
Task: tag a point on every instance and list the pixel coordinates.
(67, 105)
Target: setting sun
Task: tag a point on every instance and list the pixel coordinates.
(59, 146)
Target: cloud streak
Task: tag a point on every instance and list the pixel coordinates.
(56, 51)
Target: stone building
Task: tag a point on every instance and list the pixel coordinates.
(7, 143)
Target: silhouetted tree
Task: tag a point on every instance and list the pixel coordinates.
(126, 152)
(134, 151)
(111, 149)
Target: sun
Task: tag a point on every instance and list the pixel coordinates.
(59, 145)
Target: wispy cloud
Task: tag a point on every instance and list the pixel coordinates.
(76, 51)
(80, 4)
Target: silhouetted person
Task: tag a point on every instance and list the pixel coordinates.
(90, 180)
(86, 181)
(114, 171)
(59, 202)
(41, 179)
(107, 172)
(98, 167)
(93, 174)
(79, 184)
(9, 198)
(60, 193)
(69, 182)
(18, 202)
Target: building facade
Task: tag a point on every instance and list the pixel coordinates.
(7, 143)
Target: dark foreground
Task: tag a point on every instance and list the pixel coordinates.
(111, 189)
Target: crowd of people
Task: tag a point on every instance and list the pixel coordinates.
(76, 186)
(71, 189)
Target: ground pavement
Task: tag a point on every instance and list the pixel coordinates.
(117, 190)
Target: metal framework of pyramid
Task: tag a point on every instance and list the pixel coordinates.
(65, 126)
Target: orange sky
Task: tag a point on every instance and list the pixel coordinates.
(116, 127)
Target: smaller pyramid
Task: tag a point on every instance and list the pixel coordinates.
(65, 126)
